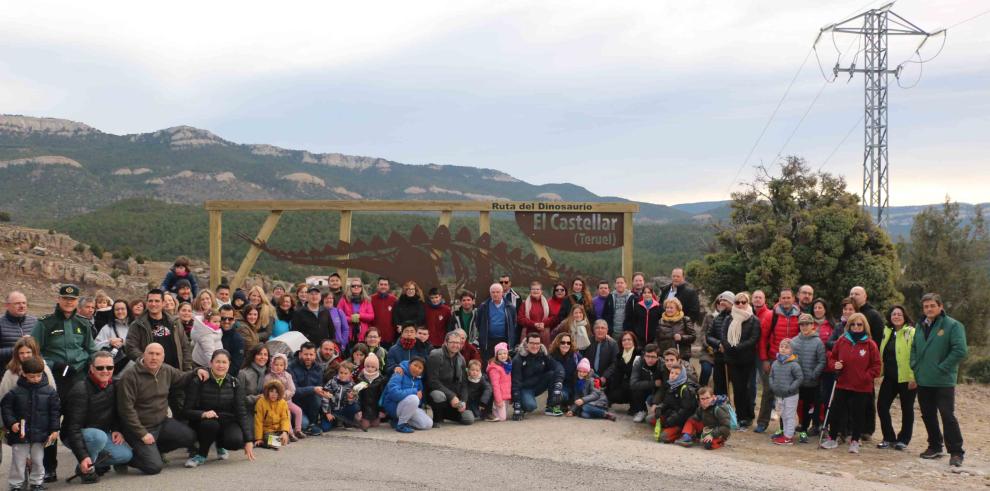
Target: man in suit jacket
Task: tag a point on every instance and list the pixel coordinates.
(680, 290)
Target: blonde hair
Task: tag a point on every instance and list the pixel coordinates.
(675, 301)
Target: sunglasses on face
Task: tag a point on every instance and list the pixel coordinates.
(860, 324)
(562, 343)
(226, 319)
(741, 302)
(559, 290)
(504, 282)
(103, 368)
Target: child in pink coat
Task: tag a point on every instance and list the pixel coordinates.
(500, 375)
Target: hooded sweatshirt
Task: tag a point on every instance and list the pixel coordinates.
(785, 376)
(400, 386)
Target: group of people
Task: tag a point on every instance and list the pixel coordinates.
(123, 383)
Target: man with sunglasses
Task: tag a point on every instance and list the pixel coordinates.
(507, 292)
(232, 340)
(89, 425)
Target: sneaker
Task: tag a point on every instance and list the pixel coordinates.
(900, 446)
(436, 423)
(884, 445)
(932, 453)
(492, 418)
(195, 461)
(404, 428)
(685, 440)
(777, 433)
(639, 417)
(610, 416)
(120, 468)
(814, 431)
(555, 411)
(854, 446)
(782, 440)
(829, 444)
(15, 488)
(760, 428)
(956, 460)
(50, 477)
(314, 430)
(803, 437)
(38, 487)
(222, 454)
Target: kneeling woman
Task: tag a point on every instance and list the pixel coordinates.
(215, 410)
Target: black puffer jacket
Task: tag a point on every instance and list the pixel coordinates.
(409, 309)
(226, 399)
(369, 397)
(715, 335)
(87, 406)
(37, 404)
(677, 404)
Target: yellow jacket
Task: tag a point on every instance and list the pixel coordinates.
(270, 417)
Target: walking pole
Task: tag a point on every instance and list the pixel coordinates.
(821, 434)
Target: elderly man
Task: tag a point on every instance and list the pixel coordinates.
(15, 324)
(938, 349)
(90, 426)
(142, 403)
(496, 322)
(446, 382)
(679, 289)
(66, 343)
(602, 352)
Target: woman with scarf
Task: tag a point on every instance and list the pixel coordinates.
(579, 296)
(675, 330)
(847, 308)
(283, 315)
(252, 375)
(113, 335)
(739, 350)
(645, 316)
(578, 325)
(856, 360)
(618, 390)
(715, 338)
(368, 397)
(185, 319)
(358, 311)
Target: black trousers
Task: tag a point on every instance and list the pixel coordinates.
(169, 435)
(808, 401)
(62, 386)
(851, 406)
(720, 381)
(225, 434)
(936, 401)
(890, 389)
(618, 392)
(741, 376)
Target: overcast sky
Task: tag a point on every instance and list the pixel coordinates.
(658, 101)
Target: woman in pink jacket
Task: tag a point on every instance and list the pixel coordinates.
(500, 375)
(356, 306)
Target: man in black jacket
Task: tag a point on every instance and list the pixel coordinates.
(89, 425)
(602, 352)
(644, 380)
(310, 320)
(679, 289)
(446, 379)
(533, 373)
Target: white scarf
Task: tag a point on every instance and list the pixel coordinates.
(579, 329)
(735, 327)
(543, 303)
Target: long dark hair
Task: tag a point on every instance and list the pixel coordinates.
(127, 307)
(904, 312)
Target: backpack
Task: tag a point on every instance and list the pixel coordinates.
(722, 402)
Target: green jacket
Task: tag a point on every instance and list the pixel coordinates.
(935, 361)
(902, 351)
(66, 341)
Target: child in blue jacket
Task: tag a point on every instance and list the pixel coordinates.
(403, 395)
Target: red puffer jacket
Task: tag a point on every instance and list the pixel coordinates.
(776, 327)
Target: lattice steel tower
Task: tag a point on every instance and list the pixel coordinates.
(877, 25)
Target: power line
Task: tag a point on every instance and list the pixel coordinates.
(842, 142)
(957, 24)
(800, 121)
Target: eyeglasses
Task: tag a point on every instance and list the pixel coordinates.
(103, 368)
(504, 282)
(226, 319)
(741, 302)
(652, 357)
(857, 324)
(559, 290)
(355, 286)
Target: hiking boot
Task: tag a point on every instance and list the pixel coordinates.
(900, 446)
(195, 461)
(760, 428)
(803, 437)
(404, 428)
(639, 417)
(854, 446)
(685, 440)
(956, 460)
(782, 440)
(49, 477)
(610, 416)
(932, 453)
(884, 445)
(829, 444)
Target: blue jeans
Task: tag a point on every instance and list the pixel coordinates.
(706, 373)
(97, 440)
(345, 413)
(592, 412)
(532, 389)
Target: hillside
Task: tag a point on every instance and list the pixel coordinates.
(162, 231)
(53, 168)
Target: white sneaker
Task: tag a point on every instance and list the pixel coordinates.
(639, 417)
(854, 446)
(829, 444)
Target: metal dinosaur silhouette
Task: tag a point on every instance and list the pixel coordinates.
(426, 260)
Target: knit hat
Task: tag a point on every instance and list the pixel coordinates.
(501, 347)
(584, 365)
(806, 319)
(727, 296)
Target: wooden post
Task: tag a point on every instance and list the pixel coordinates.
(252, 255)
(345, 236)
(627, 245)
(216, 257)
(445, 217)
(484, 223)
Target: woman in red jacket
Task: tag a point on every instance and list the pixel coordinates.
(554, 302)
(856, 361)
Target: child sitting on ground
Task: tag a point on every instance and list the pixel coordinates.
(403, 396)
(500, 376)
(271, 417)
(276, 371)
(479, 390)
(711, 424)
(677, 402)
(810, 352)
(341, 407)
(785, 380)
(589, 399)
(368, 397)
(31, 416)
